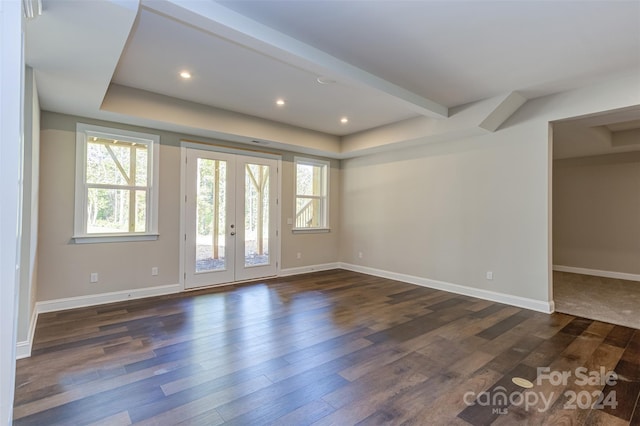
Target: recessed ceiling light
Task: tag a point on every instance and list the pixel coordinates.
(280, 102)
(185, 74)
(344, 120)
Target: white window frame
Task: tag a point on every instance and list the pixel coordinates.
(83, 133)
(324, 227)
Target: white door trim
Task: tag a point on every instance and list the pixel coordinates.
(185, 145)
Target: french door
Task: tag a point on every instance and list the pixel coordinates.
(231, 217)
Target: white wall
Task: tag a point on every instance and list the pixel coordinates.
(450, 212)
(11, 89)
(31, 176)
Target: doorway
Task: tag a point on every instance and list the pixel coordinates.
(230, 217)
(595, 225)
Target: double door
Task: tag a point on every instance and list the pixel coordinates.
(231, 217)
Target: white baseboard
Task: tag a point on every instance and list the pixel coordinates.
(23, 349)
(521, 302)
(307, 269)
(597, 273)
(102, 298)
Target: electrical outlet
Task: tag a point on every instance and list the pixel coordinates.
(289, 221)
(489, 275)
(94, 277)
(360, 254)
(154, 271)
(299, 255)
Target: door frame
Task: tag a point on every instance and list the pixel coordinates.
(185, 145)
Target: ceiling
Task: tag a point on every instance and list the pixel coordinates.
(385, 61)
(609, 132)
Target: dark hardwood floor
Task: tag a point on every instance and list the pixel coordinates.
(329, 348)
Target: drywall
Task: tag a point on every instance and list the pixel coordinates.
(161, 111)
(452, 211)
(11, 118)
(314, 248)
(596, 212)
(30, 185)
(64, 267)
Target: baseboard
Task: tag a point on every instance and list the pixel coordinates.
(597, 273)
(23, 349)
(521, 302)
(307, 269)
(102, 298)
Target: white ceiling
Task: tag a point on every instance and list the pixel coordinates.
(456, 52)
(239, 79)
(609, 132)
(391, 60)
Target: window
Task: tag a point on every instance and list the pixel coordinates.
(312, 194)
(116, 185)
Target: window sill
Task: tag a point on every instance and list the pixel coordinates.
(117, 238)
(310, 230)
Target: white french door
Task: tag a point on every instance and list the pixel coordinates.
(230, 217)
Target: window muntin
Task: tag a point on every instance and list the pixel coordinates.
(311, 194)
(116, 184)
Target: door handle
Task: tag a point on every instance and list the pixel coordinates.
(233, 233)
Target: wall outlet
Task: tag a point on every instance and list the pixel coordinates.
(94, 277)
(489, 275)
(154, 271)
(360, 255)
(298, 255)
(289, 221)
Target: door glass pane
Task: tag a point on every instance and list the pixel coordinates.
(256, 215)
(210, 215)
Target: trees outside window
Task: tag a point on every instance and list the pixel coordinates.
(116, 184)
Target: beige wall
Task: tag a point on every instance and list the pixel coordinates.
(444, 211)
(64, 267)
(596, 213)
(315, 248)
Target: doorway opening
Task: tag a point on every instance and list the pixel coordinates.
(230, 218)
(596, 216)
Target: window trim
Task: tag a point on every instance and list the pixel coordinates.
(325, 227)
(83, 132)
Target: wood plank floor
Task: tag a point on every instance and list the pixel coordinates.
(329, 348)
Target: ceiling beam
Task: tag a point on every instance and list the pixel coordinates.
(626, 138)
(507, 106)
(223, 22)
